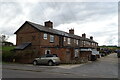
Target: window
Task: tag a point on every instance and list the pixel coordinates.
(45, 36)
(74, 40)
(92, 44)
(83, 42)
(76, 55)
(64, 38)
(68, 40)
(51, 38)
(77, 42)
(87, 42)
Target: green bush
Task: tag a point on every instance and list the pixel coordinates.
(7, 48)
(8, 56)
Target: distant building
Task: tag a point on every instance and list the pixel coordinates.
(45, 40)
(5, 43)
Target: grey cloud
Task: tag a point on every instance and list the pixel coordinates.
(10, 10)
(104, 33)
(58, 12)
(72, 12)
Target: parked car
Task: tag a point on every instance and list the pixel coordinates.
(93, 57)
(118, 53)
(95, 54)
(102, 54)
(49, 59)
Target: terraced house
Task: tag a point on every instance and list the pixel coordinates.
(34, 40)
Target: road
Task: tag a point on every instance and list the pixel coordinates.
(105, 67)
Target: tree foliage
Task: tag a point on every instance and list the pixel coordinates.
(3, 38)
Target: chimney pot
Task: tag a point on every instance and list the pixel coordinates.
(48, 24)
(84, 35)
(71, 31)
(91, 37)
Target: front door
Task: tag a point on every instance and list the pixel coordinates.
(47, 51)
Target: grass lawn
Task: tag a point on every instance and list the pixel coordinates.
(109, 47)
(7, 48)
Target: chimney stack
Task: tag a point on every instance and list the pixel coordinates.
(71, 31)
(84, 35)
(48, 24)
(91, 37)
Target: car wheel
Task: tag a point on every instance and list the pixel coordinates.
(50, 63)
(34, 62)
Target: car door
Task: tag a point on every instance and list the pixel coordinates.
(43, 59)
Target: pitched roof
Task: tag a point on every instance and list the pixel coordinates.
(23, 46)
(53, 31)
(87, 39)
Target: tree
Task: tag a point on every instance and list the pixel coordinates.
(3, 38)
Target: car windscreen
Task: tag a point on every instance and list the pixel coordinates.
(51, 55)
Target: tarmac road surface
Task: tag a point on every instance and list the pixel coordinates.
(105, 67)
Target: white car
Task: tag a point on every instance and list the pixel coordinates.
(49, 59)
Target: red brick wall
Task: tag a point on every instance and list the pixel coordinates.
(85, 55)
(46, 42)
(27, 32)
(61, 52)
(25, 35)
(72, 42)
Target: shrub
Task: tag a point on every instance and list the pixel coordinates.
(8, 56)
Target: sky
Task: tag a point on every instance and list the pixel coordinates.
(97, 19)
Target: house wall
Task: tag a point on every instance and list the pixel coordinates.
(39, 45)
(73, 42)
(26, 34)
(87, 43)
(63, 53)
(46, 42)
(26, 56)
(85, 56)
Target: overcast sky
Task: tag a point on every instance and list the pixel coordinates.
(97, 19)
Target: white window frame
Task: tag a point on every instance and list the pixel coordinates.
(77, 42)
(45, 36)
(64, 38)
(76, 54)
(68, 40)
(51, 38)
(84, 43)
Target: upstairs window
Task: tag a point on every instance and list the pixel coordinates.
(68, 40)
(64, 38)
(51, 38)
(83, 42)
(77, 42)
(45, 36)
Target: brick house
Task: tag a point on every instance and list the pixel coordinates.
(34, 40)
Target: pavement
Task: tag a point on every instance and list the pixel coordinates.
(104, 67)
